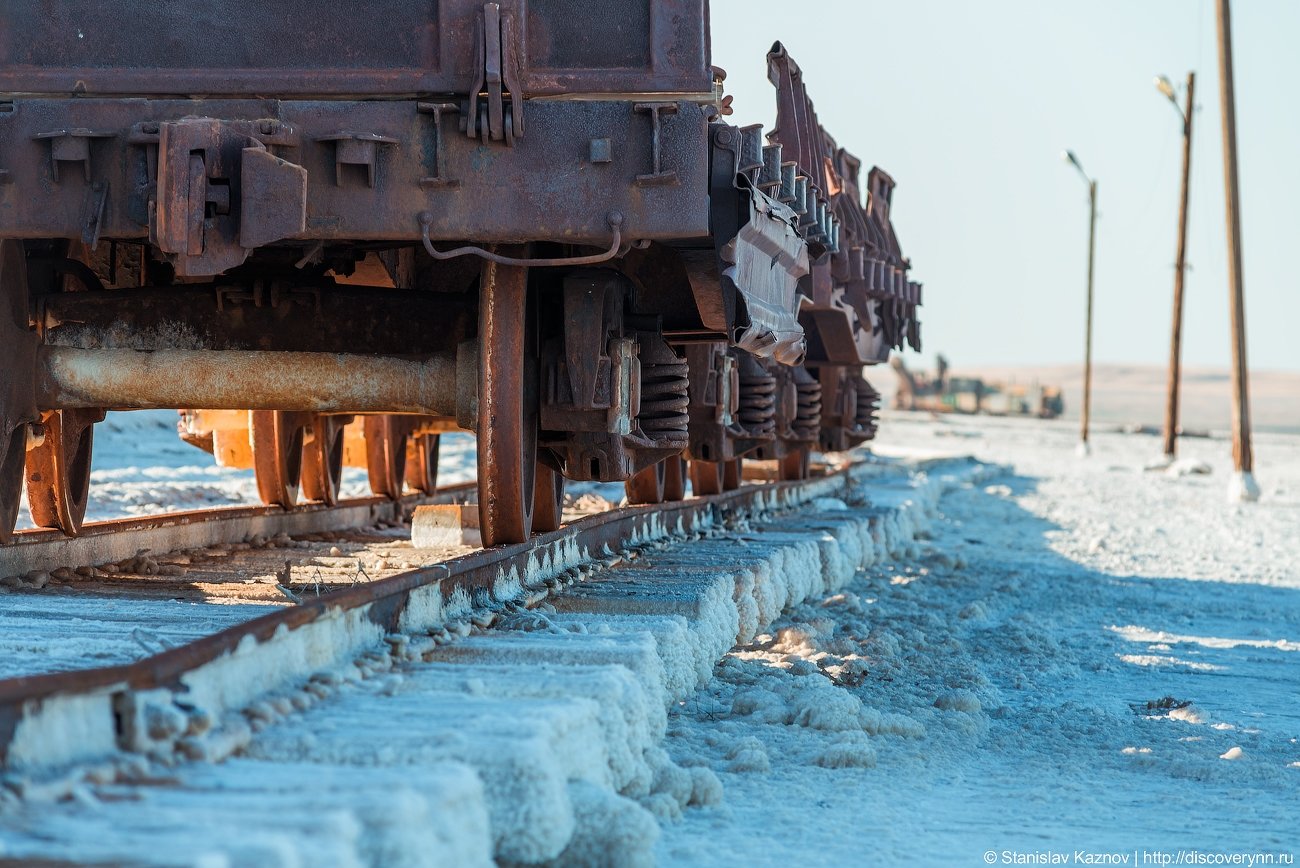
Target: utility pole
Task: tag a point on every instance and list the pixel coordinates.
(1084, 448)
(1069, 157)
(1180, 266)
(1243, 485)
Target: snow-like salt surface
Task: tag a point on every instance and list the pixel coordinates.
(1071, 653)
(71, 632)
(559, 715)
(1083, 655)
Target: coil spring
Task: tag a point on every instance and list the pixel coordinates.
(758, 401)
(808, 414)
(866, 407)
(664, 400)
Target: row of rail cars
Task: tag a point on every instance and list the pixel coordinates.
(529, 219)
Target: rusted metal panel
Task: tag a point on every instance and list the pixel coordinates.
(266, 315)
(546, 187)
(339, 48)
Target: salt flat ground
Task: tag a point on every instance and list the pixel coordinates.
(1082, 656)
(1085, 656)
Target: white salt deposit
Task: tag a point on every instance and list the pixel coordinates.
(1242, 487)
(958, 700)
(1093, 636)
(944, 658)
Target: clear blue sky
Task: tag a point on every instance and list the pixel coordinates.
(969, 104)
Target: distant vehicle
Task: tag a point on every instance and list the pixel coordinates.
(944, 394)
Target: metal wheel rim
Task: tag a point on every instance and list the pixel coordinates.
(548, 499)
(422, 463)
(674, 478)
(706, 478)
(507, 406)
(647, 485)
(58, 471)
(732, 474)
(17, 382)
(277, 456)
(322, 461)
(12, 466)
(794, 464)
(385, 455)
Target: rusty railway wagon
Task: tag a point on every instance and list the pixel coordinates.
(529, 219)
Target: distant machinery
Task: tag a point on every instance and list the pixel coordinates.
(942, 393)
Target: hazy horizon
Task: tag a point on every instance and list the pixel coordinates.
(1134, 394)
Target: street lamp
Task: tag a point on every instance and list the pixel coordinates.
(1165, 86)
(1069, 157)
(1180, 261)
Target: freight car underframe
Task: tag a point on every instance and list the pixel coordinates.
(575, 356)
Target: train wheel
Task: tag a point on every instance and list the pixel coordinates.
(507, 406)
(386, 454)
(731, 474)
(277, 455)
(795, 464)
(706, 478)
(674, 479)
(647, 486)
(58, 470)
(422, 463)
(17, 382)
(322, 459)
(548, 500)
(13, 457)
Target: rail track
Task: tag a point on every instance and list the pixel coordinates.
(504, 704)
(410, 597)
(118, 541)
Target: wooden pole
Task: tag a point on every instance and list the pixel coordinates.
(1180, 264)
(1087, 344)
(1243, 460)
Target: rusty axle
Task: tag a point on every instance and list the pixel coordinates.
(246, 380)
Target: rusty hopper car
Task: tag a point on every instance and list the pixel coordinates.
(529, 219)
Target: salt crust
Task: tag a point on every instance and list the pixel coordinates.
(557, 717)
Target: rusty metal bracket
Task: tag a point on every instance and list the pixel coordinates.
(613, 218)
(220, 192)
(439, 177)
(496, 69)
(492, 70)
(658, 177)
(93, 216)
(356, 149)
(72, 146)
(274, 198)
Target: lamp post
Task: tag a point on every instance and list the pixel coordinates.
(1180, 263)
(1070, 158)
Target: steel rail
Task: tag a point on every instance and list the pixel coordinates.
(384, 603)
(103, 542)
